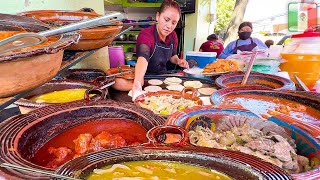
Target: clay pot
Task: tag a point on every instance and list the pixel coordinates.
(176, 94)
(255, 79)
(26, 68)
(92, 38)
(233, 164)
(33, 130)
(26, 105)
(83, 75)
(305, 135)
(122, 82)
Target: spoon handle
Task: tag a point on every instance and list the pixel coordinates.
(246, 75)
(21, 168)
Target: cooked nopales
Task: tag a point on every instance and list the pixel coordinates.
(253, 136)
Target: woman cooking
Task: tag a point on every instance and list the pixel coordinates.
(244, 43)
(157, 44)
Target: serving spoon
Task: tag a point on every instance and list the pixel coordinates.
(30, 39)
(21, 168)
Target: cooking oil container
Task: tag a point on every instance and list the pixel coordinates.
(302, 56)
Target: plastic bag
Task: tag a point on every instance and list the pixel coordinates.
(136, 90)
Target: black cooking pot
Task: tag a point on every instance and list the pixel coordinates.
(22, 136)
(84, 75)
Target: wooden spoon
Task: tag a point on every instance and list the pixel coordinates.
(246, 75)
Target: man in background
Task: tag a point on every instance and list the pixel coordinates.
(212, 45)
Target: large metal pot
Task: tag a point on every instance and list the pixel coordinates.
(22, 136)
(27, 68)
(92, 38)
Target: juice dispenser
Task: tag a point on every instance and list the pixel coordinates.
(302, 56)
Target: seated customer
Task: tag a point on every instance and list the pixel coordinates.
(244, 43)
(212, 45)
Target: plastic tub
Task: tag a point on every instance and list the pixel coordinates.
(302, 55)
(202, 58)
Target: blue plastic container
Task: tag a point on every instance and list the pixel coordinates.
(202, 58)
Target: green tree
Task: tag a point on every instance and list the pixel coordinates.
(236, 20)
(224, 12)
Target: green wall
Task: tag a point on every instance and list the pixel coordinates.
(198, 26)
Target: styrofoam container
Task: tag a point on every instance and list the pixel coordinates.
(202, 58)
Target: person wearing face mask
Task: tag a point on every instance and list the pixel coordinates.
(157, 44)
(244, 43)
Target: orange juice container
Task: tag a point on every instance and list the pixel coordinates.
(302, 57)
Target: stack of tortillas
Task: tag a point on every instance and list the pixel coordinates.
(172, 80)
(174, 84)
(194, 84)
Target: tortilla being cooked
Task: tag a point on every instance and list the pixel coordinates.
(172, 80)
(207, 91)
(175, 87)
(194, 84)
(155, 82)
(152, 88)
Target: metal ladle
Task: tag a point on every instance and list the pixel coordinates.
(30, 39)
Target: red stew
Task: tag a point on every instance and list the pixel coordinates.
(89, 137)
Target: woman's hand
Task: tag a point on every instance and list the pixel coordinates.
(136, 89)
(183, 63)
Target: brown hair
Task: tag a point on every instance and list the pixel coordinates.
(169, 3)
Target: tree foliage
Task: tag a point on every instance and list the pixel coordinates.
(236, 20)
(224, 12)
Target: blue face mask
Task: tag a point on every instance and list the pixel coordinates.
(244, 35)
